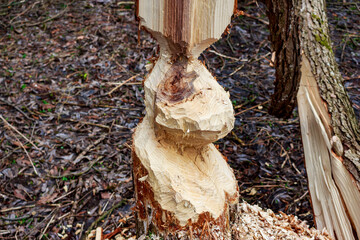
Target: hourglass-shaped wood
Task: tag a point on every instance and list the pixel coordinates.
(183, 185)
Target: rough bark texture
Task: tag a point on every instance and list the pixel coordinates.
(284, 32)
(316, 44)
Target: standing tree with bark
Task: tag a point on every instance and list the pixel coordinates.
(306, 69)
(183, 184)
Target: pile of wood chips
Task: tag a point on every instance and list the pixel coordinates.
(252, 222)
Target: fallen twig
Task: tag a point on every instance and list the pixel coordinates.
(251, 61)
(47, 226)
(40, 223)
(104, 215)
(22, 146)
(48, 19)
(17, 108)
(17, 208)
(87, 123)
(241, 112)
(77, 173)
(225, 56)
(17, 131)
(75, 204)
(302, 196)
(121, 84)
(23, 12)
(8, 155)
(26, 216)
(87, 149)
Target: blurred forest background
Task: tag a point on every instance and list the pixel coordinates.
(71, 94)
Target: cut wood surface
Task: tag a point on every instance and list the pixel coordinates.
(183, 184)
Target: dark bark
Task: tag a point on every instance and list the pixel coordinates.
(284, 32)
(285, 20)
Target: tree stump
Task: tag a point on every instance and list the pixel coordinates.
(183, 185)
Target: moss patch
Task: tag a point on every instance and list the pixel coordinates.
(323, 39)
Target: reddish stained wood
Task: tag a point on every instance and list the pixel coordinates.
(177, 25)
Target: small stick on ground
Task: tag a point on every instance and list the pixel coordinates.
(102, 217)
(17, 131)
(224, 56)
(86, 123)
(252, 108)
(99, 233)
(9, 154)
(75, 204)
(251, 61)
(47, 226)
(27, 154)
(87, 149)
(16, 208)
(302, 196)
(23, 12)
(121, 84)
(17, 108)
(78, 173)
(48, 19)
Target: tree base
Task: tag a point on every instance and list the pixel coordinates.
(151, 219)
(180, 191)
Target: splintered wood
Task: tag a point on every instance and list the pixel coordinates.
(183, 184)
(330, 131)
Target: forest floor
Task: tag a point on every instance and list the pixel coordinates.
(71, 95)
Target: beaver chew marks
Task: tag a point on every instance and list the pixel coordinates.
(185, 186)
(178, 84)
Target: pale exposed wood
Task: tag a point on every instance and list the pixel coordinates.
(252, 222)
(203, 117)
(183, 184)
(329, 210)
(203, 21)
(187, 183)
(99, 234)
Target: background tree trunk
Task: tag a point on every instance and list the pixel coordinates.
(183, 185)
(284, 29)
(329, 128)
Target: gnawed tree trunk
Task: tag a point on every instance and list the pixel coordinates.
(183, 185)
(329, 128)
